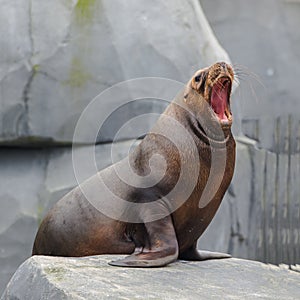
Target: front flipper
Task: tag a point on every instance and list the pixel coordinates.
(145, 260)
(194, 255)
(163, 247)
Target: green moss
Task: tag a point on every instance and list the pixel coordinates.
(56, 272)
(84, 10)
(35, 68)
(78, 76)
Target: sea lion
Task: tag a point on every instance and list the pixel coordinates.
(155, 225)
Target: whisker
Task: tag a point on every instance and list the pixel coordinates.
(243, 74)
(242, 70)
(241, 78)
(236, 80)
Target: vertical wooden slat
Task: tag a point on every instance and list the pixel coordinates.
(260, 196)
(276, 186)
(271, 208)
(289, 249)
(294, 206)
(283, 193)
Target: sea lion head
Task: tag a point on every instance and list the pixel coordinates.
(214, 84)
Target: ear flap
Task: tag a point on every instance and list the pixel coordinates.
(187, 90)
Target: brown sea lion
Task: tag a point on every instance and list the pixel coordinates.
(159, 220)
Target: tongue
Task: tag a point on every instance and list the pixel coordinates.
(219, 101)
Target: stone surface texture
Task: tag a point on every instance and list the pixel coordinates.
(55, 58)
(92, 278)
(58, 55)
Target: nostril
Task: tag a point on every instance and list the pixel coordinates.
(223, 65)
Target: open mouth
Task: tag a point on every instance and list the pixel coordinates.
(219, 100)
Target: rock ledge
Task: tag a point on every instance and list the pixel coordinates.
(43, 277)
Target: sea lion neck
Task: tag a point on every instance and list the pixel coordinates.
(197, 115)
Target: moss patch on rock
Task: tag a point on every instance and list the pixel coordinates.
(78, 76)
(84, 10)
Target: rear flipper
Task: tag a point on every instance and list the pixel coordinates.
(194, 255)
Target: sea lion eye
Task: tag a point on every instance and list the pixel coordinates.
(197, 78)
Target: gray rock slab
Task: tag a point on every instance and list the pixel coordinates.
(21, 177)
(15, 246)
(58, 56)
(92, 278)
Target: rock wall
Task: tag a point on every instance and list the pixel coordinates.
(55, 58)
(59, 55)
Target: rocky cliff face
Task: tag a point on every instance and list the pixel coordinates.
(58, 55)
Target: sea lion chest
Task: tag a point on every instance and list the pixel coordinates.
(194, 216)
